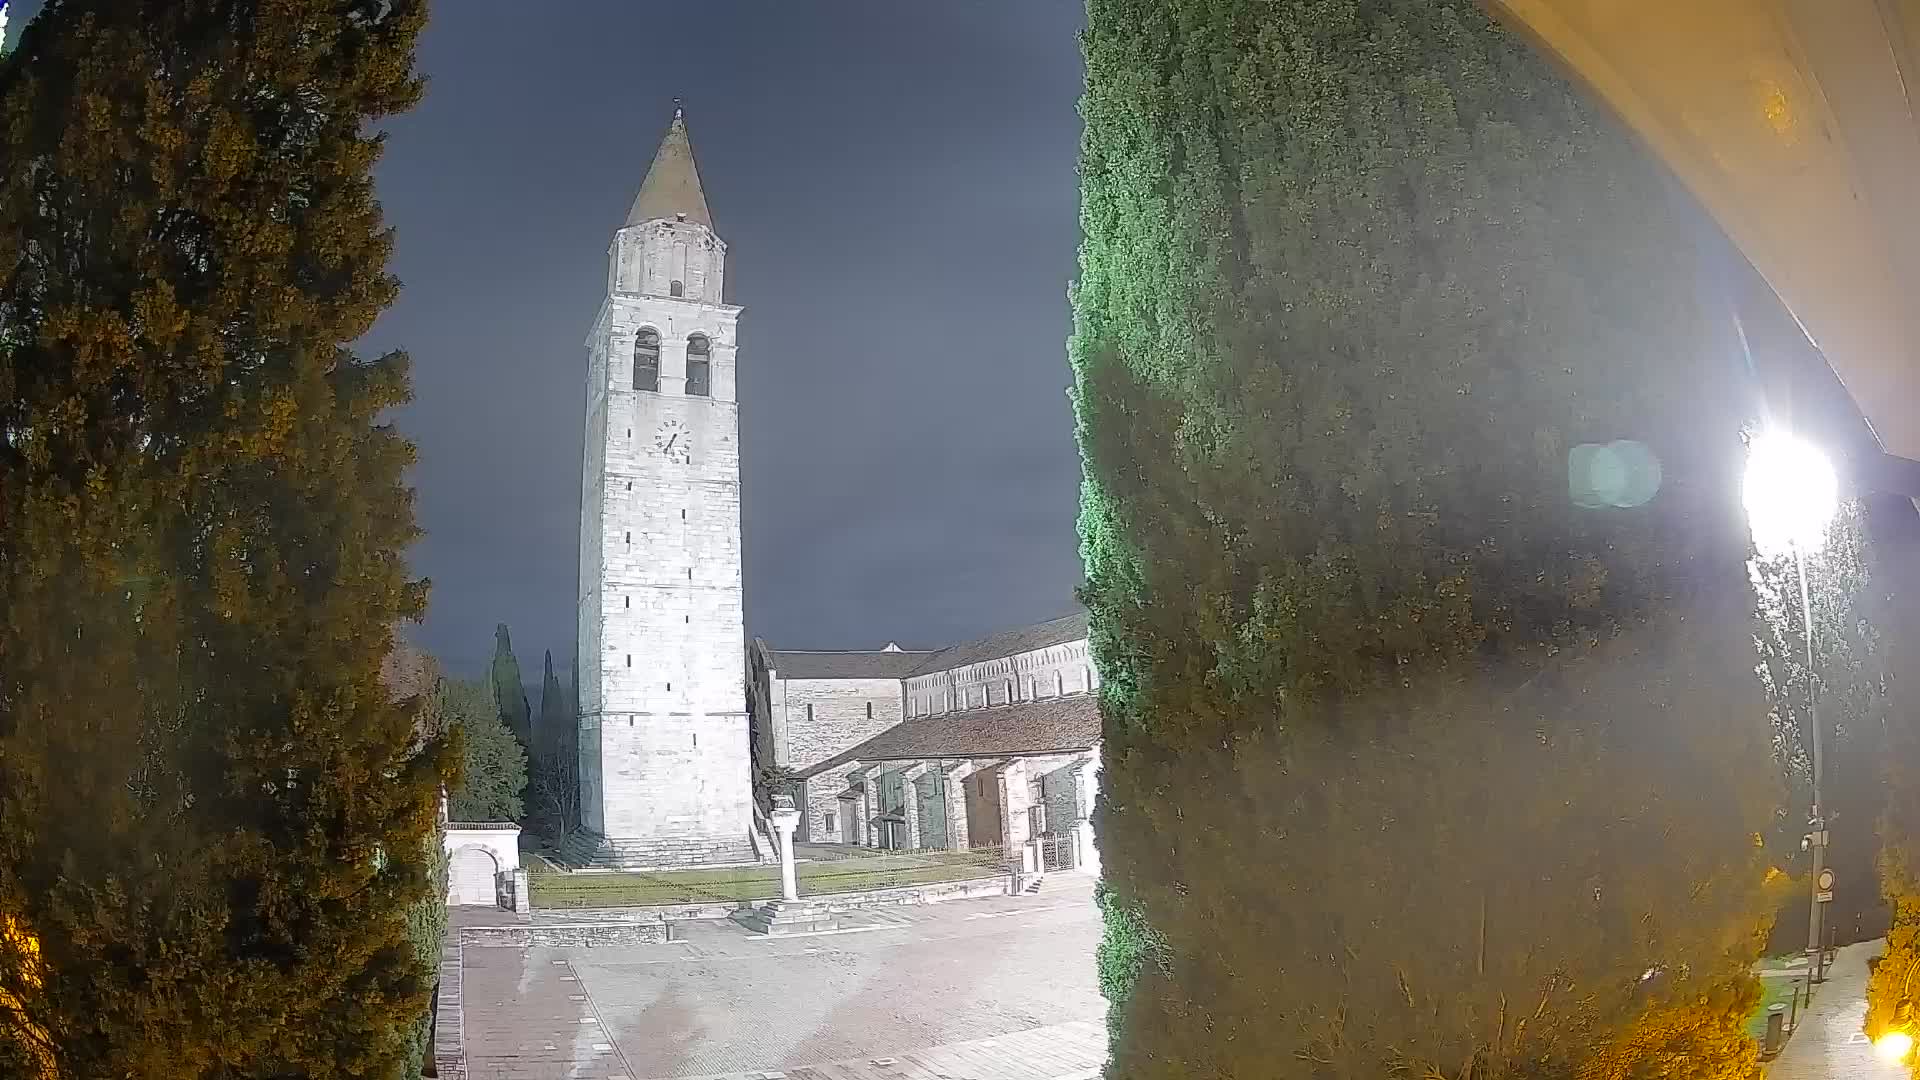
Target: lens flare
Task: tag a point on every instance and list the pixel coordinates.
(1790, 493)
(1893, 1045)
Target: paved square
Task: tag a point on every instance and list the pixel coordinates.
(995, 989)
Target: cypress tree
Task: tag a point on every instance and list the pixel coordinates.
(553, 785)
(214, 822)
(509, 693)
(1419, 759)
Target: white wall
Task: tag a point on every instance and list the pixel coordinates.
(475, 856)
(1066, 668)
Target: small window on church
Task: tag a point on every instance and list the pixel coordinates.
(676, 289)
(829, 823)
(646, 361)
(699, 367)
(869, 710)
(809, 714)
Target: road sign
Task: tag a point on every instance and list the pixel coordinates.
(1825, 897)
(1826, 880)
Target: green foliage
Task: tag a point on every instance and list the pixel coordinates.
(509, 694)
(426, 929)
(1412, 766)
(213, 819)
(1893, 991)
(493, 773)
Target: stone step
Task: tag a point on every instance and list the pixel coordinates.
(584, 850)
(778, 917)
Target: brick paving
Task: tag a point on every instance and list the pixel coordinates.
(992, 989)
(1829, 1044)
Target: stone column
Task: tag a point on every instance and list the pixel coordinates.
(863, 815)
(955, 779)
(785, 819)
(1012, 778)
(910, 793)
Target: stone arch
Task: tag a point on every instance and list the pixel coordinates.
(472, 872)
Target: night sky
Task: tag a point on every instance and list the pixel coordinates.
(895, 183)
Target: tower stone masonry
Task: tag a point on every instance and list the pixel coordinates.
(665, 773)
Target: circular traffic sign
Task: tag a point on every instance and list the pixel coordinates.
(1826, 879)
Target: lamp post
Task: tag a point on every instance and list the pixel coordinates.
(1791, 493)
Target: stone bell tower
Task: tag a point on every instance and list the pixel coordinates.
(664, 765)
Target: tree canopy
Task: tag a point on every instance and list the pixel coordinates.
(493, 775)
(1418, 759)
(214, 822)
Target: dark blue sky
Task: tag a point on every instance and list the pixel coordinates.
(895, 182)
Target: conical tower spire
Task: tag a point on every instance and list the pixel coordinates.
(672, 187)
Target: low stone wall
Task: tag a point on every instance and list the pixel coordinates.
(931, 893)
(565, 935)
(449, 1022)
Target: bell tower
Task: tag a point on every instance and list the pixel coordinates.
(664, 766)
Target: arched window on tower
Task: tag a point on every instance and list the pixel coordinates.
(699, 367)
(676, 289)
(646, 360)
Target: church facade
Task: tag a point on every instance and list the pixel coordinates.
(992, 743)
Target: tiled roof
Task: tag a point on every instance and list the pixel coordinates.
(1007, 643)
(864, 664)
(1051, 725)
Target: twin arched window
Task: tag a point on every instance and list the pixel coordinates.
(646, 360)
(699, 367)
(646, 363)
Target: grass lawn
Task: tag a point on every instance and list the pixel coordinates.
(1772, 990)
(552, 888)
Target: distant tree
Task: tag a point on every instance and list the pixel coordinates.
(553, 786)
(493, 774)
(1849, 686)
(509, 693)
(1413, 765)
(214, 822)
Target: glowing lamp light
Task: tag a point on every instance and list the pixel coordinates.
(1790, 493)
(1893, 1046)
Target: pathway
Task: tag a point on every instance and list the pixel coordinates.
(991, 989)
(1829, 1043)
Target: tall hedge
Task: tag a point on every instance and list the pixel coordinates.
(1413, 765)
(214, 819)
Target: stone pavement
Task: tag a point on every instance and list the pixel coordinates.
(1073, 1051)
(1829, 1043)
(990, 989)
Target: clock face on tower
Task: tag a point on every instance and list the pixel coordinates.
(674, 442)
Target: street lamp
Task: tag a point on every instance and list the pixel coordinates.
(1791, 493)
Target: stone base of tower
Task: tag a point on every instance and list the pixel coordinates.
(586, 849)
